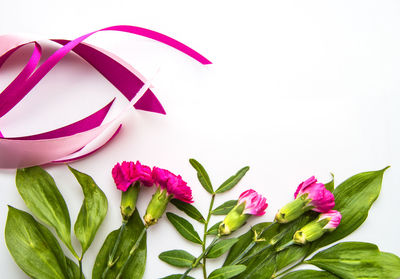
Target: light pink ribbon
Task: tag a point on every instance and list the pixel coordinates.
(85, 136)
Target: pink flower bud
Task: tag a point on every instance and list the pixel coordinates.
(333, 217)
(174, 184)
(127, 173)
(255, 204)
(321, 199)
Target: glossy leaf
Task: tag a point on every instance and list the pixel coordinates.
(227, 272)
(189, 209)
(177, 276)
(221, 247)
(33, 247)
(184, 228)
(331, 184)
(41, 196)
(263, 267)
(179, 258)
(232, 181)
(354, 197)
(92, 212)
(224, 208)
(202, 175)
(244, 240)
(73, 269)
(136, 267)
(357, 260)
(214, 229)
(307, 274)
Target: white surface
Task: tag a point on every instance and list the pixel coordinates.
(297, 88)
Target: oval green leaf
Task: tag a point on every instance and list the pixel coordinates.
(184, 228)
(214, 229)
(189, 209)
(221, 247)
(179, 258)
(92, 212)
(307, 274)
(357, 260)
(136, 267)
(232, 181)
(354, 197)
(202, 175)
(33, 247)
(224, 208)
(40, 194)
(227, 272)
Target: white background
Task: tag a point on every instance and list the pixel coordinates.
(297, 88)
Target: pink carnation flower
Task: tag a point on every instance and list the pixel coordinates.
(255, 204)
(334, 217)
(127, 173)
(322, 200)
(173, 184)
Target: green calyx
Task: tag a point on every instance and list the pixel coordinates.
(310, 232)
(128, 201)
(157, 206)
(234, 220)
(293, 210)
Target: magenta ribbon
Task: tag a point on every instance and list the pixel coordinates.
(84, 137)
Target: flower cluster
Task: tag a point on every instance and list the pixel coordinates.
(129, 176)
(311, 195)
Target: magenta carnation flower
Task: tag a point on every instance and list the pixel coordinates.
(255, 204)
(334, 218)
(174, 184)
(322, 200)
(127, 173)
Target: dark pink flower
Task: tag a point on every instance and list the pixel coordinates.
(174, 184)
(127, 173)
(321, 199)
(255, 204)
(334, 218)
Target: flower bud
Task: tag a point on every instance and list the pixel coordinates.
(128, 201)
(309, 195)
(157, 206)
(312, 231)
(249, 203)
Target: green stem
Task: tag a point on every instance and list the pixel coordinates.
(80, 268)
(111, 260)
(253, 255)
(289, 269)
(203, 246)
(199, 258)
(285, 246)
(131, 252)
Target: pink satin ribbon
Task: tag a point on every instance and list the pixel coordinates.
(84, 137)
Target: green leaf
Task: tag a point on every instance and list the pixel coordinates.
(307, 274)
(354, 197)
(232, 181)
(92, 212)
(265, 268)
(221, 247)
(33, 247)
(357, 260)
(179, 258)
(224, 208)
(214, 229)
(177, 276)
(202, 176)
(245, 239)
(73, 269)
(136, 267)
(227, 272)
(331, 184)
(184, 228)
(189, 209)
(40, 194)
